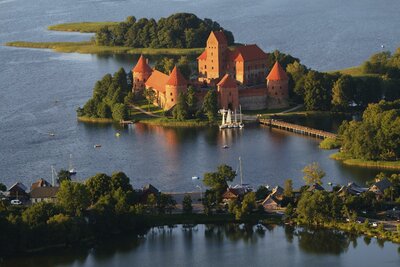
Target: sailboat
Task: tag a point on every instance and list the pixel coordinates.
(229, 119)
(241, 124)
(71, 170)
(223, 124)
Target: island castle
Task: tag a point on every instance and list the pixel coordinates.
(239, 74)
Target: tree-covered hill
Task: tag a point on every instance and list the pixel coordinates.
(181, 30)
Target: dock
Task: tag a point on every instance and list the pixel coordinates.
(291, 127)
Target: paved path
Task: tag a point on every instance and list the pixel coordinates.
(144, 111)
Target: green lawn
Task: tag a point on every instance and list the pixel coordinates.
(356, 71)
(88, 47)
(86, 27)
(346, 159)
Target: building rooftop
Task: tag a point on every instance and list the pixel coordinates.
(142, 66)
(44, 192)
(277, 73)
(248, 53)
(176, 78)
(157, 81)
(220, 36)
(227, 82)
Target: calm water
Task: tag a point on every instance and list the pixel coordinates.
(40, 90)
(231, 245)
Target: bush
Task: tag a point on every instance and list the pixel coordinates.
(329, 143)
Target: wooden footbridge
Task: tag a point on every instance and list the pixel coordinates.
(297, 128)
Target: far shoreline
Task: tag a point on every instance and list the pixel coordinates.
(345, 159)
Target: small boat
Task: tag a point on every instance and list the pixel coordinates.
(225, 146)
(71, 169)
(117, 134)
(52, 134)
(97, 146)
(195, 178)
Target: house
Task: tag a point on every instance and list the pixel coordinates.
(380, 186)
(274, 200)
(315, 187)
(40, 183)
(146, 191)
(352, 189)
(235, 192)
(18, 191)
(47, 194)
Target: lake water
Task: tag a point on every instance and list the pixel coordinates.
(40, 90)
(229, 245)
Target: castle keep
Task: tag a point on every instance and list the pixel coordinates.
(239, 75)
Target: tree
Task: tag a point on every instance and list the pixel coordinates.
(73, 197)
(38, 214)
(119, 180)
(98, 185)
(218, 181)
(248, 203)
(288, 188)
(191, 100)
(3, 188)
(165, 203)
(209, 202)
(313, 174)
(316, 92)
(210, 104)
(187, 204)
(63, 175)
(180, 111)
(262, 192)
(342, 92)
(150, 95)
(151, 202)
(119, 112)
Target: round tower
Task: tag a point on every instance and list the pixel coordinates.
(277, 87)
(141, 72)
(175, 85)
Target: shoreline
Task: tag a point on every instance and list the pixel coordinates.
(95, 120)
(88, 47)
(391, 165)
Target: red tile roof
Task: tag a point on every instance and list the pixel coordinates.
(142, 66)
(221, 38)
(248, 52)
(227, 82)
(176, 78)
(157, 81)
(203, 55)
(277, 73)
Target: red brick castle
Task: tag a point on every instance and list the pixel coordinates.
(240, 76)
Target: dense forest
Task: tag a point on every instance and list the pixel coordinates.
(338, 92)
(377, 136)
(181, 30)
(110, 97)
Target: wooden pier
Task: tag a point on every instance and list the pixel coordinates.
(297, 128)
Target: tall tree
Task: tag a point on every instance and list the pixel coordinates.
(313, 174)
(98, 185)
(342, 92)
(210, 105)
(73, 197)
(288, 188)
(218, 180)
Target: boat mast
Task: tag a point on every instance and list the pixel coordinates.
(52, 175)
(70, 162)
(240, 114)
(240, 169)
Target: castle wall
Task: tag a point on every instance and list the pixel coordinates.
(253, 98)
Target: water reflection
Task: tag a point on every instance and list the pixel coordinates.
(323, 241)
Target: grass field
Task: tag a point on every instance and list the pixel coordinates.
(395, 165)
(84, 27)
(88, 47)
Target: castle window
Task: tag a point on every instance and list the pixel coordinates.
(211, 53)
(205, 67)
(280, 87)
(212, 68)
(272, 87)
(170, 94)
(276, 93)
(172, 100)
(212, 61)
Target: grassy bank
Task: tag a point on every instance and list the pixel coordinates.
(88, 47)
(84, 27)
(95, 120)
(356, 71)
(346, 159)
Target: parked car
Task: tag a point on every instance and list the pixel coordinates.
(374, 224)
(16, 202)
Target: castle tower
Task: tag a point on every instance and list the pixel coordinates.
(175, 85)
(277, 87)
(212, 62)
(141, 72)
(228, 93)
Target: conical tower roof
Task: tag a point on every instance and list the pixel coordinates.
(227, 82)
(277, 73)
(176, 78)
(142, 66)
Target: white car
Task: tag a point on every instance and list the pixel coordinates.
(16, 202)
(374, 224)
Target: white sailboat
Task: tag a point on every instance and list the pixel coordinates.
(71, 170)
(241, 124)
(229, 119)
(223, 124)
